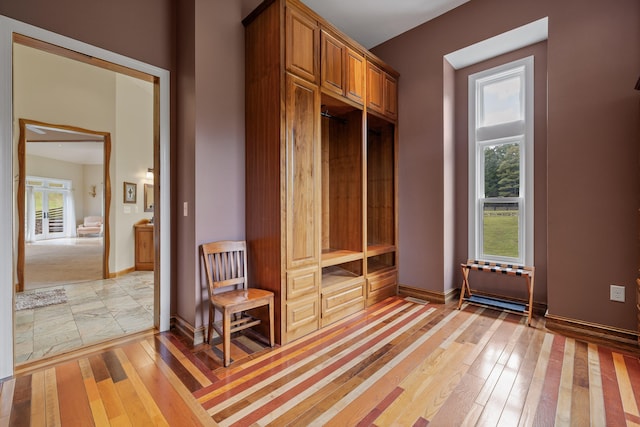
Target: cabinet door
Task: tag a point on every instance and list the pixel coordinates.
(302, 173)
(354, 78)
(390, 97)
(332, 63)
(144, 257)
(302, 35)
(374, 88)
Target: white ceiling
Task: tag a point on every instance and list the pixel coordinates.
(371, 22)
(66, 145)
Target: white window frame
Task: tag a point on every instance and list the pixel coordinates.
(519, 131)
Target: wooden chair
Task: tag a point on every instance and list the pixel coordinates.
(225, 263)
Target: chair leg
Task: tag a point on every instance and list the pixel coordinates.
(211, 319)
(271, 337)
(226, 339)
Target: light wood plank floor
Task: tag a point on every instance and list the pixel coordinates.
(398, 363)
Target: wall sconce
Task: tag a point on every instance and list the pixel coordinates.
(150, 173)
(93, 191)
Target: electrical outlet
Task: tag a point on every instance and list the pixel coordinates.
(616, 293)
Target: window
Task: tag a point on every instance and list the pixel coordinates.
(501, 163)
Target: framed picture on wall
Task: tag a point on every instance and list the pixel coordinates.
(130, 192)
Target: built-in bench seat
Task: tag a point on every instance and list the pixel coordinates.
(492, 267)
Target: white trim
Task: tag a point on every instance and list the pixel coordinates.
(509, 41)
(9, 26)
(477, 142)
(6, 198)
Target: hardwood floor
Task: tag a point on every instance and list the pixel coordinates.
(398, 363)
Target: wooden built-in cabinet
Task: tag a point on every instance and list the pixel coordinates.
(321, 207)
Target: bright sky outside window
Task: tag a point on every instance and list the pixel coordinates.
(502, 101)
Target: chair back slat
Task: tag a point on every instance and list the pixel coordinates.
(225, 264)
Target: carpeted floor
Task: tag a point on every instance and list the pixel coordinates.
(61, 261)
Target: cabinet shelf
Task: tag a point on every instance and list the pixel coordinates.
(380, 263)
(377, 249)
(334, 276)
(338, 256)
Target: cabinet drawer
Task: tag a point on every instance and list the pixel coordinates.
(301, 283)
(338, 297)
(341, 301)
(303, 316)
(380, 281)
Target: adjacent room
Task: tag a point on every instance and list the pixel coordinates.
(76, 287)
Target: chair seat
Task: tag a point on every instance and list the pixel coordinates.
(240, 297)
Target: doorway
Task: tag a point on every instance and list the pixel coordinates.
(8, 185)
(65, 311)
(49, 252)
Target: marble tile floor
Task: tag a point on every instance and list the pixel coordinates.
(95, 311)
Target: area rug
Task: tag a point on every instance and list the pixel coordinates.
(41, 298)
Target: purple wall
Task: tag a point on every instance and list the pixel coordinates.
(592, 135)
(591, 158)
(141, 29)
(219, 157)
(209, 155)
